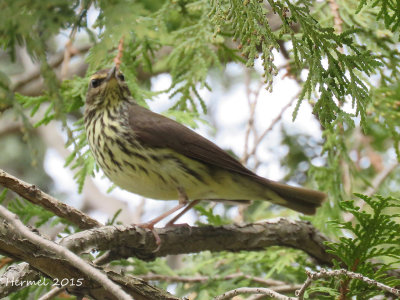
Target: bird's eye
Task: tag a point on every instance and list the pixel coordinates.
(95, 83)
(121, 77)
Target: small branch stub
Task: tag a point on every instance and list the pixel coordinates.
(118, 58)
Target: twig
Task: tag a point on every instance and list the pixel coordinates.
(258, 140)
(249, 290)
(52, 293)
(312, 276)
(276, 120)
(199, 279)
(79, 263)
(378, 180)
(337, 20)
(70, 51)
(31, 193)
(376, 183)
(275, 285)
(118, 58)
(252, 107)
(54, 62)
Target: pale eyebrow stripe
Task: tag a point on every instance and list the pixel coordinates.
(98, 76)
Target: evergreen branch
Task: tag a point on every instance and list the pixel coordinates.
(312, 276)
(250, 290)
(33, 194)
(24, 233)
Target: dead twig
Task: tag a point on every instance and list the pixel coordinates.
(34, 195)
(118, 58)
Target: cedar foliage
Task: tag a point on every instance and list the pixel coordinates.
(350, 77)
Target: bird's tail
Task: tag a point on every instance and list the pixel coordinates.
(299, 199)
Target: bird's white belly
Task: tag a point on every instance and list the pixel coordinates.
(154, 173)
(162, 179)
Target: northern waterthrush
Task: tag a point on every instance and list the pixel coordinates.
(156, 157)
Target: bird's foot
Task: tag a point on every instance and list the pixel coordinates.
(150, 226)
(172, 224)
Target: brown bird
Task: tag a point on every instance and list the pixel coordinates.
(156, 157)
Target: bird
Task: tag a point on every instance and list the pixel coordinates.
(156, 157)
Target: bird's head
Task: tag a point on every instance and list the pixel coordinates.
(107, 87)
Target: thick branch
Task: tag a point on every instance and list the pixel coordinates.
(135, 241)
(20, 230)
(16, 274)
(53, 266)
(31, 193)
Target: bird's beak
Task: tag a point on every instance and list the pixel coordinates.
(111, 74)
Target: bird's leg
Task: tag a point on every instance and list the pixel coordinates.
(188, 207)
(183, 200)
(150, 224)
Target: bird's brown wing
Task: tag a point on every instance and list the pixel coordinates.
(158, 131)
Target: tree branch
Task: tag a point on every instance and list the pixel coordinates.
(53, 266)
(54, 62)
(23, 232)
(52, 293)
(135, 241)
(31, 193)
(275, 285)
(250, 290)
(196, 279)
(16, 273)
